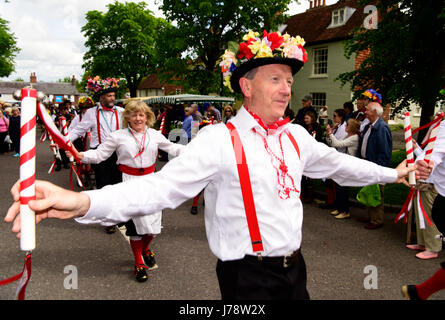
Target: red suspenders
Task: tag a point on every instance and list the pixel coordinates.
(246, 187)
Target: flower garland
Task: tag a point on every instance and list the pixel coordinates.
(96, 84)
(85, 101)
(270, 45)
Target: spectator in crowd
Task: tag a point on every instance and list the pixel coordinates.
(307, 106)
(14, 130)
(187, 124)
(215, 113)
(314, 129)
(4, 130)
(376, 146)
(349, 109)
(228, 113)
(197, 116)
(323, 116)
(350, 146)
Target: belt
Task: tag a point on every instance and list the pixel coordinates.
(136, 171)
(285, 261)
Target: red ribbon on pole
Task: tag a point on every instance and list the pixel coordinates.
(23, 276)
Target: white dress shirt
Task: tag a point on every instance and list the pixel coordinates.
(126, 147)
(340, 134)
(365, 139)
(209, 162)
(107, 120)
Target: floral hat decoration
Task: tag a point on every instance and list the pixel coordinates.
(97, 86)
(85, 102)
(272, 48)
(373, 95)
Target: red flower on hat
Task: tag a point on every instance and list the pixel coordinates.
(244, 50)
(275, 39)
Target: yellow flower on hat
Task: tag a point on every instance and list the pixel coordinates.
(264, 50)
(250, 35)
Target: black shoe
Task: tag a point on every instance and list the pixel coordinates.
(149, 259)
(110, 230)
(141, 273)
(58, 167)
(66, 166)
(410, 292)
(194, 210)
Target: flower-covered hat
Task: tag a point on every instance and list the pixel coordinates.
(373, 95)
(272, 48)
(97, 86)
(85, 102)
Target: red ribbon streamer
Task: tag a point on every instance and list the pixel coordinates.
(24, 277)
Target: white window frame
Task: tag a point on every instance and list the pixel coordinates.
(317, 70)
(319, 99)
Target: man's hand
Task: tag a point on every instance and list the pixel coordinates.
(424, 169)
(402, 172)
(51, 202)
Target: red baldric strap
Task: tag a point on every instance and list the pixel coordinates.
(136, 171)
(98, 123)
(246, 189)
(246, 186)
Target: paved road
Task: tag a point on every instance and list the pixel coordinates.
(336, 254)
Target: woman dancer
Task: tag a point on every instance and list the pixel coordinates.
(137, 147)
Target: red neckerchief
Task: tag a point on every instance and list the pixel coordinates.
(106, 108)
(273, 127)
(98, 121)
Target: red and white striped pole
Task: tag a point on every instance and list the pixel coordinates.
(27, 168)
(161, 128)
(429, 147)
(409, 148)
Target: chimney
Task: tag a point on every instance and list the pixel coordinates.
(73, 80)
(33, 78)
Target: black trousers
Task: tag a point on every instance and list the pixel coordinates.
(341, 198)
(107, 172)
(250, 279)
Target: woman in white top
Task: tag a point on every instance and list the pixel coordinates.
(136, 146)
(349, 145)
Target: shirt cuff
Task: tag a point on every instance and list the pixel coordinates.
(97, 211)
(389, 175)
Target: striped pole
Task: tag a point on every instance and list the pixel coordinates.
(161, 128)
(429, 147)
(27, 168)
(409, 148)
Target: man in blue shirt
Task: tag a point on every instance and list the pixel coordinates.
(187, 124)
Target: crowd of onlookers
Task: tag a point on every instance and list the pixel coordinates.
(360, 133)
(9, 129)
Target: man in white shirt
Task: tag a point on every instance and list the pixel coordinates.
(253, 216)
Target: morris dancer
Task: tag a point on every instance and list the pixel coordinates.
(137, 147)
(437, 281)
(101, 121)
(251, 176)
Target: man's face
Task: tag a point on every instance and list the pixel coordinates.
(370, 114)
(108, 99)
(306, 103)
(270, 91)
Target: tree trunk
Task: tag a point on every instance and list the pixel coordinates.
(427, 115)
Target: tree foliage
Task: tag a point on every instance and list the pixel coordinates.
(190, 50)
(8, 49)
(406, 61)
(122, 42)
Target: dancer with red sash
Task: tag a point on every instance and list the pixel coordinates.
(136, 146)
(250, 172)
(100, 122)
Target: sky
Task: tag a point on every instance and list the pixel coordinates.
(48, 32)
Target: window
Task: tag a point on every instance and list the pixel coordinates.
(318, 99)
(338, 17)
(320, 66)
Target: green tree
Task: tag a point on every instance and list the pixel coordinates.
(8, 49)
(190, 50)
(406, 61)
(121, 42)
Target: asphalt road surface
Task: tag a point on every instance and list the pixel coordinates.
(82, 262)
